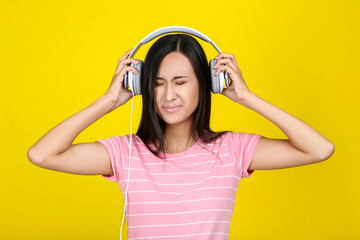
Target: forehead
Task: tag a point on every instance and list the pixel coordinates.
(175, 63)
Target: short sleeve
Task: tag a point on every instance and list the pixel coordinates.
(116, 147)
(244, 145)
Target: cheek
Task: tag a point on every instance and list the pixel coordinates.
(193, 93)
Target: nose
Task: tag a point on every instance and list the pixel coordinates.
(170, 93)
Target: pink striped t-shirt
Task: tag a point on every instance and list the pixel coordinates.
(189, 196)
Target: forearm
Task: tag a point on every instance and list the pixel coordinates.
(301, 135)
(61, 137)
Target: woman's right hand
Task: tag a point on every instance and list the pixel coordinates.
(117, 92)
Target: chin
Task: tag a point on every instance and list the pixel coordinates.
(173, 120)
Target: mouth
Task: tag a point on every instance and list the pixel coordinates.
(171, 108)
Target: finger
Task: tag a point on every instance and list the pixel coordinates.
(223, 61)
(123, 71)
(128, 68)
(226, 68)
(227, 55)
(126, 54)
(125, 61)
(220, 69)
(223, 55)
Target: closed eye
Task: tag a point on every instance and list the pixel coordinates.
(180, 83)
(158, 84)
(174, 78)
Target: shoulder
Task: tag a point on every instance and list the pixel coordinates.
(136, 143)
(235, 139)
(123, 141)
(131, 139)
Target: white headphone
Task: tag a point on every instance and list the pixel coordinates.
(133, 81)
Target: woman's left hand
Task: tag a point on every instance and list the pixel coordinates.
(237, 90)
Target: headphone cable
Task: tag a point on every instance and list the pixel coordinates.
(132, 106)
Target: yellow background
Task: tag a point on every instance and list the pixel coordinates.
(301, 56)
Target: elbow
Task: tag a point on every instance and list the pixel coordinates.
(32, 156)
(328, 152)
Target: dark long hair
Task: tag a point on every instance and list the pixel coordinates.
(152, 127)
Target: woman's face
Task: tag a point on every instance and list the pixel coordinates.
(176, 92)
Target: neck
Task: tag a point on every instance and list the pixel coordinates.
(178, 137)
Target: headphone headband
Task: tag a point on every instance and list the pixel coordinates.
(170, 29)
(133, 80)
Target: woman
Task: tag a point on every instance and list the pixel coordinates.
(184, 176)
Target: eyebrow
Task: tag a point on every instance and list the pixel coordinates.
(176, 77)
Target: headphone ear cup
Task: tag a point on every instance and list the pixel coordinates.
(133, 80)
(217, 82)
(226, 78)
